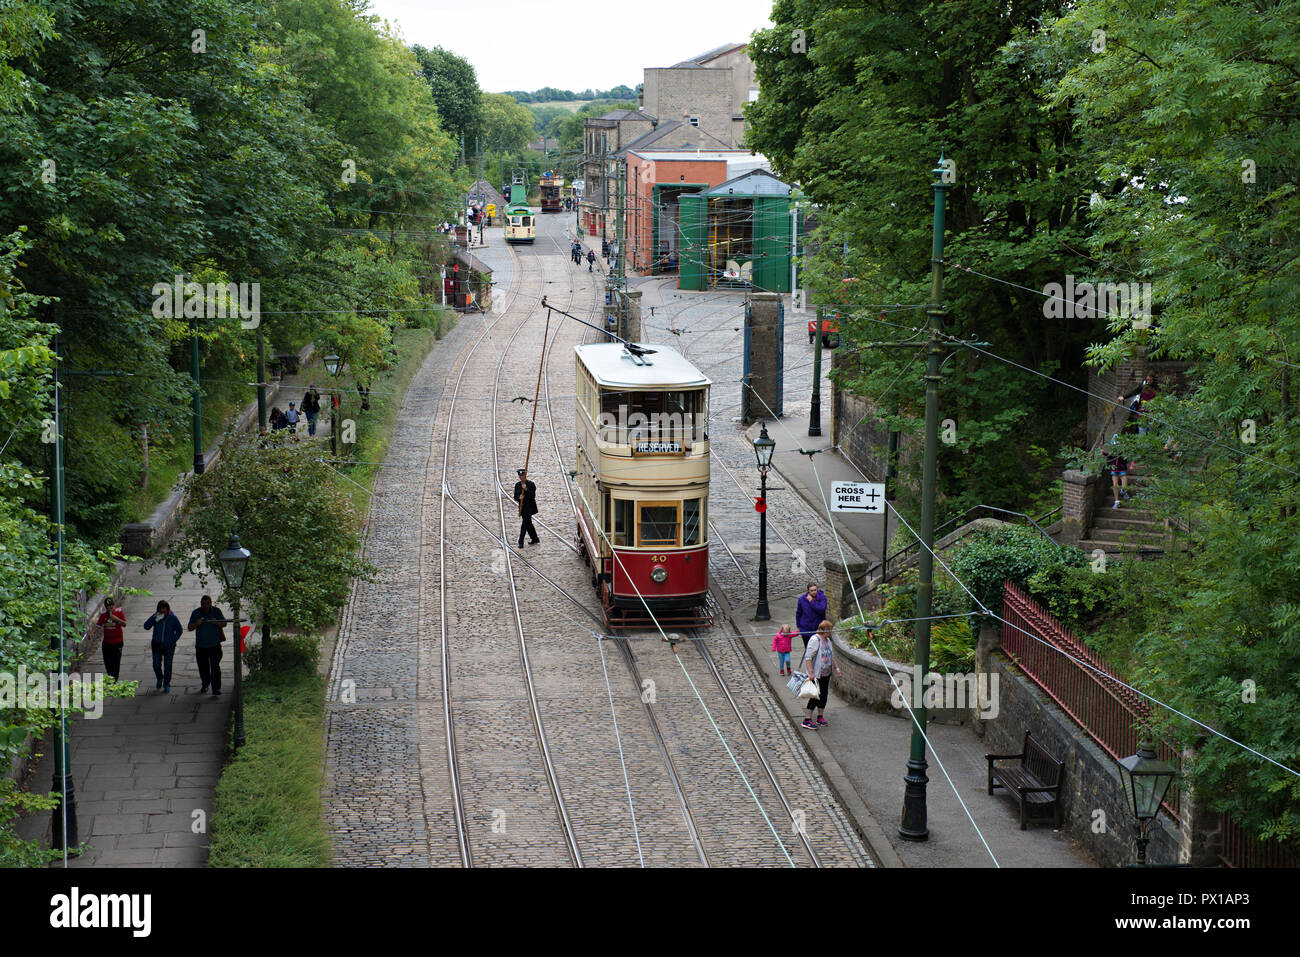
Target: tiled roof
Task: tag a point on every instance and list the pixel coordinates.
(703, 58)
(757, 182)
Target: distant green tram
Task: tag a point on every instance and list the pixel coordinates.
(519, 224)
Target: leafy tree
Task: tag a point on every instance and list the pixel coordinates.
(454, 83)
(291, 513)
(858, 119)
(507, 125)
(1194, 110)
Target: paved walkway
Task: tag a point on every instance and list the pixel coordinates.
(869, 750)
(146, 770)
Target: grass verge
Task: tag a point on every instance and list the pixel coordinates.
(269, 810)
(268, 805)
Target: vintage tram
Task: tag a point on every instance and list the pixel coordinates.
(552, 185)
(518, 221)
(642, 473)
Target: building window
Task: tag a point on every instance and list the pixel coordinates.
(753, 96)
(695, 121)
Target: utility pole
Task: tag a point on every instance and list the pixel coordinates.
(618, 248)
(261, 379)
(815, 413)
(64, 817)
(914, 825)
(198, 403)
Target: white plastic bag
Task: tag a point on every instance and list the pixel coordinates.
(809, 689)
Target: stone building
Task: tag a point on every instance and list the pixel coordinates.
(603, 137)
(697, 104)
(708, 92)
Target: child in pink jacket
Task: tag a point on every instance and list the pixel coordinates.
(781, 645)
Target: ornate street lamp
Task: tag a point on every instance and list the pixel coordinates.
(334, 365)
(1146, 780)
(763, 448)
(234, 564)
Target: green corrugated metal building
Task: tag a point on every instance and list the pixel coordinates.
(737, 234)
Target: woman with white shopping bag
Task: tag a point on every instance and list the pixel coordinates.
(819, 661)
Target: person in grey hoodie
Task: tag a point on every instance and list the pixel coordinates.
(167, 631)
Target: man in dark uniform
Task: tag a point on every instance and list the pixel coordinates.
(526, 496)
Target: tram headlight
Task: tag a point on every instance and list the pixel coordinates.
(659, 574)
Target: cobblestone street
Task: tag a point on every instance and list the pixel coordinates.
(444, 616)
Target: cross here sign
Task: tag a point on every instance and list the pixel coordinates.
(857, 497)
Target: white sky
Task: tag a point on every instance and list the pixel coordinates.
(529, 44)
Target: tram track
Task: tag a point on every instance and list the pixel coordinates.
(669, 771)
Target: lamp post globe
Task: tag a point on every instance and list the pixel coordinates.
(333, 363)
(1146, 780)
(234, 562)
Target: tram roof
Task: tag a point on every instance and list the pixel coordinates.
(612, 365)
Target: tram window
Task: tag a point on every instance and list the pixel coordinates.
(692, 521)
(623, 519)
(528, 220)
(658, 525)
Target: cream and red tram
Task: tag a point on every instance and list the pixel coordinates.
(642, 470)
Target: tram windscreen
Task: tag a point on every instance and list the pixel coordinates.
(692, 521)
(658, 526)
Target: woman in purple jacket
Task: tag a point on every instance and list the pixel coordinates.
(811, 612)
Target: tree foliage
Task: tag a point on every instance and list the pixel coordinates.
(290, 513)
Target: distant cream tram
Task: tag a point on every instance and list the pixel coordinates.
(643, 473)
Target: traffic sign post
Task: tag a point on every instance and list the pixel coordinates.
(858, 497)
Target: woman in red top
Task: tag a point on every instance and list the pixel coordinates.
(111, 620)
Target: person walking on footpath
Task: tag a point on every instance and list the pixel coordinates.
(591, 259)
(819, 661)
(291, 418)
(167, 631)
(781, 645)
(810, 611)
(1118, 468)
(111, 620)
(209, 625)
(526, 496)
(311, 408)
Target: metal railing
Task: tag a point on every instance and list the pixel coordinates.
(1094, 697)
(1239, 849)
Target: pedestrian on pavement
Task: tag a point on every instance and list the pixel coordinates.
(1118, 468)
(311, 408)
(111, 620)
(167, 631)
(526, 496)
(591, 259)
(276, 419)
(810, 611)
(781, 645)
(819, 661)
(291, 418)
(209, 624)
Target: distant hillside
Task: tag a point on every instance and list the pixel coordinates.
(549, 94)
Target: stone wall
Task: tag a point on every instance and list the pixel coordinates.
(864, 680)
(862, 438)
(141, 538)
(1094, 810)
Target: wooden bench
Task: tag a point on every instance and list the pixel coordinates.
(1035, 780)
